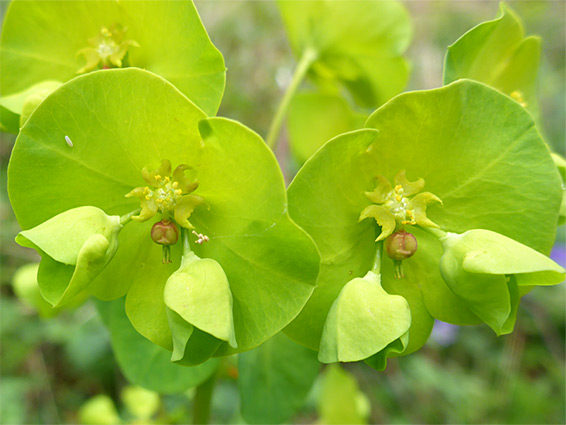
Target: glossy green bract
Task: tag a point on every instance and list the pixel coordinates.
(122, 121)
(75, 247)
(41, 41)
(486, 270)
(477, 150)
(358, 44)
(498, 54)
(363, 320)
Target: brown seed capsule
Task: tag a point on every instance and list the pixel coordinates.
(165, 232)
(401, 245)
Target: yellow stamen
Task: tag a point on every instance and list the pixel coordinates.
(157, 177)
(175, 185)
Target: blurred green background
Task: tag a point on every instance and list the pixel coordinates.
(50, 368)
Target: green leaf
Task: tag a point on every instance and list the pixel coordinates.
(139, 120)
(340, 400)
(476, 149)
(314, 118)
(358, 44)
(274, 380)
(144, 363)
(199, 292)
(362, 321)
(12, 105)
(498, 54)
(41, 39)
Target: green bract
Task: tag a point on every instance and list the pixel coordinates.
(56, 40)
(189, 291)
(498, 54)
(75, 247)
(486, 270)
(362, 321)
(122, 122)
(474, 148)
(355, 44)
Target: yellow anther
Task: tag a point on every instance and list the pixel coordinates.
(147, 197)
(175, 185)
(399, 189)
(166, 179)
(398, 198)
(157, 177)
(159, 201)
(179, 192)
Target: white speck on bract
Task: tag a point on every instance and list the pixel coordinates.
(69, 142)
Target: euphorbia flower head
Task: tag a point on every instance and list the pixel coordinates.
(167, 193)
(396, 206)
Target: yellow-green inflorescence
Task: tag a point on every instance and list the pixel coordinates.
(395, 207)
(169, 193)
(107, 49)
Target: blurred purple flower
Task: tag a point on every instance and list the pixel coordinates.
(558, 254)
(444, 333)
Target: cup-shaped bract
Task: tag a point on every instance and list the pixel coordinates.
(475, 149)
(498, 54)
(363, 320)
(124, 121)
(488, 271)
(75, 247)
(199, 292)
(55, 40)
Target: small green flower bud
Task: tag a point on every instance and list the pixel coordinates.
(164, 232)
(401, 245)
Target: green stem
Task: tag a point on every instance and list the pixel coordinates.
(186, 245)
(376, 268)
(440, 234)
(125, 219)
(307, 59)
(202, 401)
